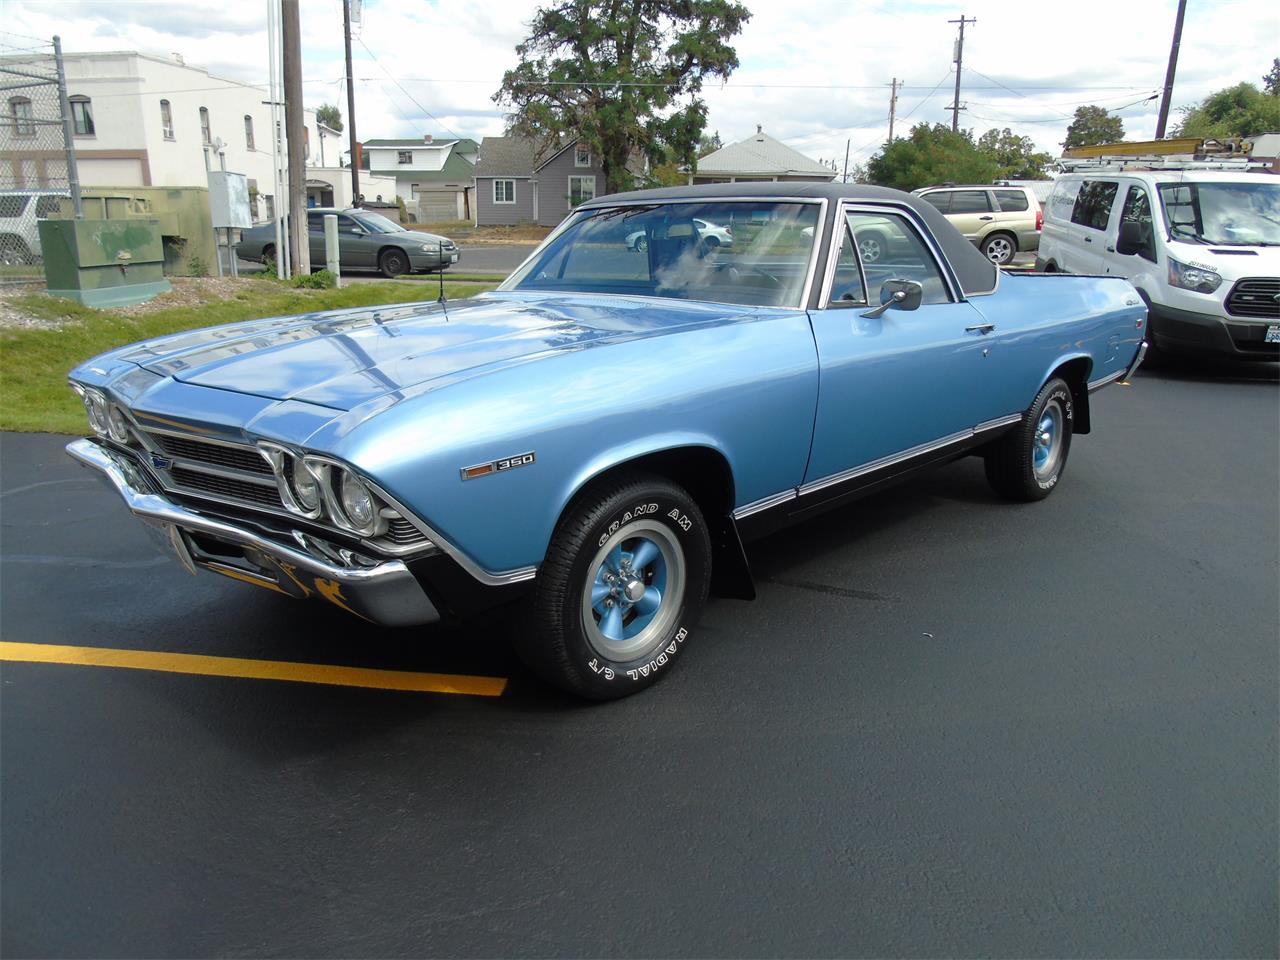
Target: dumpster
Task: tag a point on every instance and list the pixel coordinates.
(103, 263)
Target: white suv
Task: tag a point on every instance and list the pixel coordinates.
(19, 211)
(1202, 248)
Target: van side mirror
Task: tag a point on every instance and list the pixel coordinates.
(1133, 238)
(899, 294)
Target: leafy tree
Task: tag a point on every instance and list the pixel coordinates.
(1093, 125)
(1239, 111)
(623, 78)
(708, 145)
(1015, 157)
(1271, 82)
(330, 116)
(929, 155)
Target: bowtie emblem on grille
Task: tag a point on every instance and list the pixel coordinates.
(160, 463)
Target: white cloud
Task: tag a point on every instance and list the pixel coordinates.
(813, 74)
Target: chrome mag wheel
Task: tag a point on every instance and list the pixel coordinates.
(1046, 447)
(631, 602)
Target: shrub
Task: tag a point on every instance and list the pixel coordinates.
(320, 280)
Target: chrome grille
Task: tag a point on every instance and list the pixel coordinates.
(1255, 297)
(222, 486)
(217, 454)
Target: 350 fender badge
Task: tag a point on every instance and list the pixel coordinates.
(497, 466)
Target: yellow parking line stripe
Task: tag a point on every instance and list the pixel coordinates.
(253, 669)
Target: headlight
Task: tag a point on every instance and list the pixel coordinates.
(306, 488)
(299, 489)
(95, 405)
(1199, 279)
(117, 424)
(357, 502)
(431, 248)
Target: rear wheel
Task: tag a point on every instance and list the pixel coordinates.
(393, 262)
(1027, 462)
(642, 243)
(873, 246)
(999, 248)
(269, 252)
(623, 583)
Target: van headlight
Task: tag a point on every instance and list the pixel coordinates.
(1198, 279)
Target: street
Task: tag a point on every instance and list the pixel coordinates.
(947, 726)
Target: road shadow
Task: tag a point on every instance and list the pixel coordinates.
(1185, 368)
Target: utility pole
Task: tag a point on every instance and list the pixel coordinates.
(294, 126)
(1173, 66)
(893, 105)
(845, 178)
(351, 107)
(959, 60)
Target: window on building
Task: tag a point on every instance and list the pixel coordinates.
(20, 110)
(166, 119)
(504, 191)
(206, 133)
(581, 157)
(82, 116)
(248, 132)
(581, 189)
(404, 156)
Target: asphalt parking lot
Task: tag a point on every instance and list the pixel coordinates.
(947, 726)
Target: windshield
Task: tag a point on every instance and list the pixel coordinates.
(1223, 214)
(376, 223)
(749, 252)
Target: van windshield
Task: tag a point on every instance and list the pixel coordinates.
(1223, 214)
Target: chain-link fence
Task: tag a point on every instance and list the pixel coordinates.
(34, 180)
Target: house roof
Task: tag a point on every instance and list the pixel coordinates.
(516, 156)
(760, 155)
(455, 170)
(465, 144)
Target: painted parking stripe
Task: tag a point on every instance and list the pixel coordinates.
(253, 669)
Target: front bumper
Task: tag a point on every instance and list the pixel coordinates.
(1188, 331)
(420, 261)
(383, 591)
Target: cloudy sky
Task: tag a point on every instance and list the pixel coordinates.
(814, 73)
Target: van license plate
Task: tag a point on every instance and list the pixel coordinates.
(1273, 334)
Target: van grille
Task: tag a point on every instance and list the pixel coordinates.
(1255, 297)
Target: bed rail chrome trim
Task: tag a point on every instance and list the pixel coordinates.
(1103, 381)
(997, 423)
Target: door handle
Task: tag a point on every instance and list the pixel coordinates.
(1088, 239)
(982, 328)
(988, 217)
(1110, 249)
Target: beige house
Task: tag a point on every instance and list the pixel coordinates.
(759, 157)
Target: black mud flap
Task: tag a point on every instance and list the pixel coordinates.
(730, 571)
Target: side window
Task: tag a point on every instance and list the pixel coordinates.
(1137, 209)
(315, 221)
(970, 201)
(846, 287)
(1062, 200)
(346, 225)
(941, 200)
(1012, 201)
(46, 206)
(890, 249)
(1093, 204)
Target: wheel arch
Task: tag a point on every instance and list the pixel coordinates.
(398, 249)
(1002, 232)
(1075, 370)
(703, 469)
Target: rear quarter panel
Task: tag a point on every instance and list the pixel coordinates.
(1044, 320)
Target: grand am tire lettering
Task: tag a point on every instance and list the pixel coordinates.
(640, 510)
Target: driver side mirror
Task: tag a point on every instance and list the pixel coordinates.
(899, 294)
(1133, 237)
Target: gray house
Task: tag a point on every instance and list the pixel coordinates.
(514, 185)
(759, 158)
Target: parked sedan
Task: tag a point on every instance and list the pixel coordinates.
(366, 241)
(710, 236)
(599, 435)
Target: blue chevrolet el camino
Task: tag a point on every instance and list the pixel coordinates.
(601, 434)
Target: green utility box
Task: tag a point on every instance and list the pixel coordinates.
(186, 229)
(103, 263)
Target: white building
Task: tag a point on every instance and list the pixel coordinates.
(435, 178)
(142, 120)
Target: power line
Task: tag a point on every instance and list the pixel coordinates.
(731, 85)
(406, 92)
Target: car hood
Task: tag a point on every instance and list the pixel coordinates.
(341, 359)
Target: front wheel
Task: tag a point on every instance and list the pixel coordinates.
(623, 583)
(392, 263)
(1027, 462)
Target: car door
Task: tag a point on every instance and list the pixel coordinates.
(971, 212)
(315, 238)
(358, 248)
(900, 381)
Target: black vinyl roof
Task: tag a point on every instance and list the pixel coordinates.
(977, 275)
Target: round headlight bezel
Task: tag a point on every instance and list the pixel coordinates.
(95, 407)
(358, 503)
(287, 466)
(118, 431)
(333, 476)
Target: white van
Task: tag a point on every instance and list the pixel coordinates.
(1202, 248)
